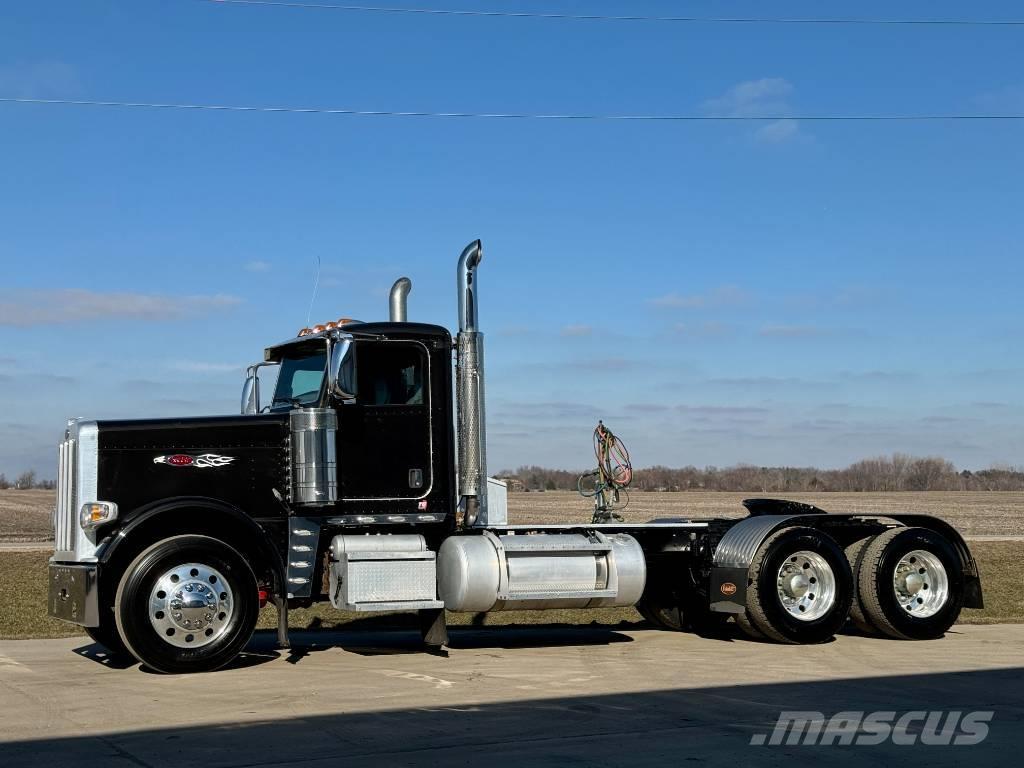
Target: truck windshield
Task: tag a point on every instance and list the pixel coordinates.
(300, 381)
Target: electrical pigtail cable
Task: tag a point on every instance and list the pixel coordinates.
(608, 483)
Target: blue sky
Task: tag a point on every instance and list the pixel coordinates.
(780, 293)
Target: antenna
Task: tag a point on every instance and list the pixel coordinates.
(316, 284)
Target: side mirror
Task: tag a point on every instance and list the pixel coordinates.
(342, 378)
(251, 392)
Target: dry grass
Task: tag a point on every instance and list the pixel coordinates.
(23, 601)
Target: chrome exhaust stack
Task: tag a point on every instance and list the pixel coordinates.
(469, 391)
(398, 299)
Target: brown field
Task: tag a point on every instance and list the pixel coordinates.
(25, 515)
(972, 513)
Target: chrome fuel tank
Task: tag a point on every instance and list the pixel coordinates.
(488, 572)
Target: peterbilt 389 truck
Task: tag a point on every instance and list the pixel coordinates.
(362, 481)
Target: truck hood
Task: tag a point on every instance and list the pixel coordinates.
(242, 460)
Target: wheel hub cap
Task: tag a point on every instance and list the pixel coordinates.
(190, 605)
(920, 584)
(806, 586)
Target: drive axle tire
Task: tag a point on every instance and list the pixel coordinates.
(678, 613)
(187, 604)
(661, 616)
(911, 583)
(747, 627)
(800, 587)
(855, 556)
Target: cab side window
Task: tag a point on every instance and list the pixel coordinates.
(392, 373)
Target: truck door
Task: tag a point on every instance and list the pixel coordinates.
(384, 439)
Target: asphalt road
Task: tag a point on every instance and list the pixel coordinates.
(539, 696)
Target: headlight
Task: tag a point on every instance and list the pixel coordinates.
(95, 513)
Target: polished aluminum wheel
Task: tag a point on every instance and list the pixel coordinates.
(921, 583)
(190, 605)
(806, 586)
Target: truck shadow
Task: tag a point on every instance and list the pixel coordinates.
(376, 638)
(397, 641)
(397, 635)
(714, 725)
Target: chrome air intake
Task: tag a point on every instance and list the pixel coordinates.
(313, 452)
(398, 299)
(469, 390)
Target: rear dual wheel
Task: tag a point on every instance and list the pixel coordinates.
(800, 587)
(855, 556)
(910, 584)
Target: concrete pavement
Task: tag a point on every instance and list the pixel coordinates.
(501, 696)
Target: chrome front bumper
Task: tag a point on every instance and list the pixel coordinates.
(74, 593)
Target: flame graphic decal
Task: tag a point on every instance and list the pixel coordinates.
(202, 461)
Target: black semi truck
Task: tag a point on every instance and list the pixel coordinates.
(363, 482)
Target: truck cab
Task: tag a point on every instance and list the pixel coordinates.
(390, 388)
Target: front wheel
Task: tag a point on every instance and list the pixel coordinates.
(187, 604)
(800, 587)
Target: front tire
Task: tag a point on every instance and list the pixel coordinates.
(800, 587)
(187, 604)
(911, 583)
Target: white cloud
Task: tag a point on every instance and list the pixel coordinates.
(1005, 100)
(257, 266)
(199, 366)
(706, 330)
(24, 309)
(39, 79)
(791, 331)
(778, 131)
(752, 98)
(767, 97)
(726, 295)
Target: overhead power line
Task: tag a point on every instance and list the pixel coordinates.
(516, 115)
(608, 17)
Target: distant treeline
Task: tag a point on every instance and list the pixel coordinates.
(26, 480)
(888, 473)
(898, 472)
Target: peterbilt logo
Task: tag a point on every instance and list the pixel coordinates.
(728, 588)
(202, 461)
